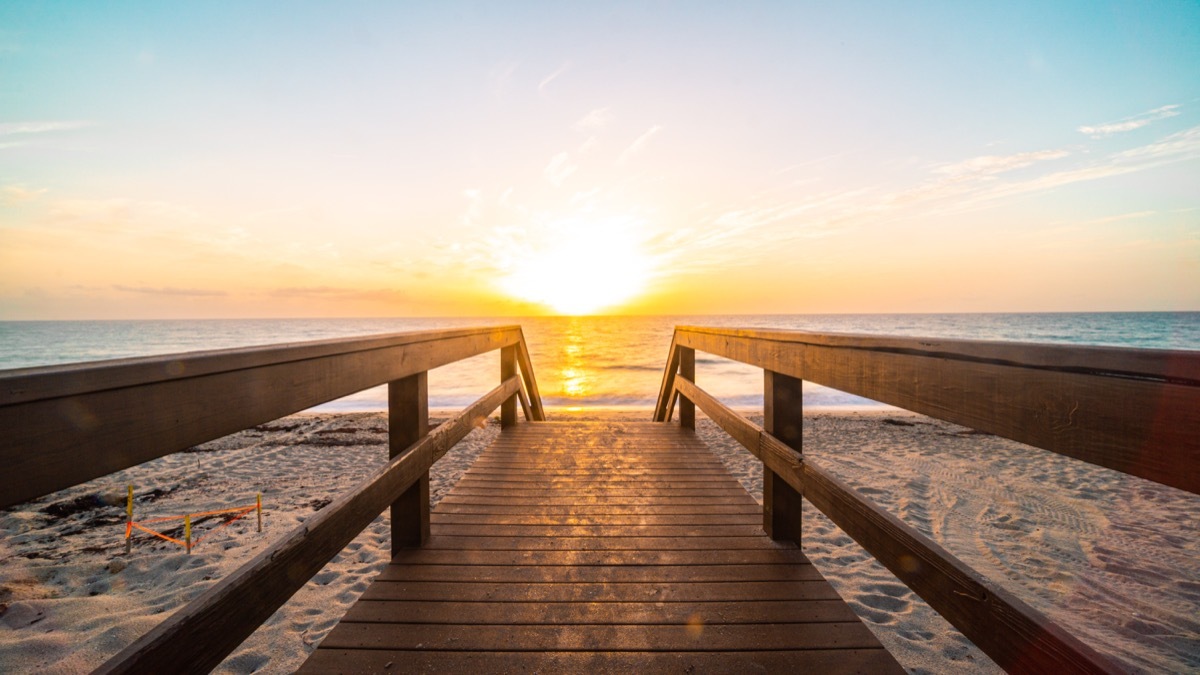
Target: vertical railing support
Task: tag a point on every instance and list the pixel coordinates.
(408, 421)
(687, 370)
(666, 393)
(783, 418)
(508, 368)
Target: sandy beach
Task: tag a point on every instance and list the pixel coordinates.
(1115, 559)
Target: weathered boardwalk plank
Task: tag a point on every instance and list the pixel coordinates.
(600, 547)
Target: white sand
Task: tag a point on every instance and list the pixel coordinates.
(1115, 559)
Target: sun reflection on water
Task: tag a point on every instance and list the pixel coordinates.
(577, 379)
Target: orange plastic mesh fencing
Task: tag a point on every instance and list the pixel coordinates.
(244, 512)
(241, 511)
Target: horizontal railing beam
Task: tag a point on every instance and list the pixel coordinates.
(201, 634)
(69, 424)
(1162, 365)
(1089, 403)
(1016, 636)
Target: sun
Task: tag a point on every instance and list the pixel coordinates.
(581, 267)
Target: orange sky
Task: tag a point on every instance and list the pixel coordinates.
(449, 160)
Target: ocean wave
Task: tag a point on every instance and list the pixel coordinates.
(819, 398)
(633, 367)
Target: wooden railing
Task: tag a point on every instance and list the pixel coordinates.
(1133, 410)
(64, 425)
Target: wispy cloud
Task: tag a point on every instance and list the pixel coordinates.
(737, 232)
(1130, 123)
(17, 194)
(1179, 145)
(338, 293)
(128, 215)
(638, 145)
(474, 210)
(990, 165)
(596, 119)
(1137, 215)
(40, 127)
(559, 169)
(587, 146)
(169, 290)
(18, 134)
(958, 193)
(562, 70)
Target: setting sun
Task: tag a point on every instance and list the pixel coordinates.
(583, 267)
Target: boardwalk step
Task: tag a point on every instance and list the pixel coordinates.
(599, 547)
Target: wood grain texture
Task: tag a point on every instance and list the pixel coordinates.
(64, 425)
(408, 422)
(666, 392)
(199, 635)
(537, 413)
(687, 371)
(1013, 634)
(826, 662)
(1132, 410)
(508, 368)
(783, 419)
(1177, 366)
(584, 565)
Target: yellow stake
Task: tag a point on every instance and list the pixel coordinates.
(187, 532)
(258, 501)
(129, 522)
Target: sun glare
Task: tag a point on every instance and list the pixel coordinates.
(582, 268)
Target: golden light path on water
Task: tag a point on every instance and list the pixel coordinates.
(577, 380)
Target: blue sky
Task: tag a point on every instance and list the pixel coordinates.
(302, 159)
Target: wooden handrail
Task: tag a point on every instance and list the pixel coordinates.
(1133, 410)
(199, 636)
(1016, 636)
(124, 412)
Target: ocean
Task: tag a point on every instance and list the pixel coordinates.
(614, 362)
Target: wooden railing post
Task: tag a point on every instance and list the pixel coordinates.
(687, 370)
(508, 368)
(783, 418)
(408, 422)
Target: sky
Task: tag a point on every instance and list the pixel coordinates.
(230, 159)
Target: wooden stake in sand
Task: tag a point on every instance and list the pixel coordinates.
(187, 533)
(258, 504)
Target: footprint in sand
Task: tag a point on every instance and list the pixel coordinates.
(917, 635)
(247, 662)
(885, 603)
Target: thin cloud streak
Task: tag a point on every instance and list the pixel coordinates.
(638, 145)
(1130, 123)
(559, 169)
(737, 234)
(562, 70)
(339, 293)
(11, 195)
(40, 127)
(596, 119)
(169, 290)
(990, 165)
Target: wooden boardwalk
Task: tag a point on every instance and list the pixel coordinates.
(599, 546)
